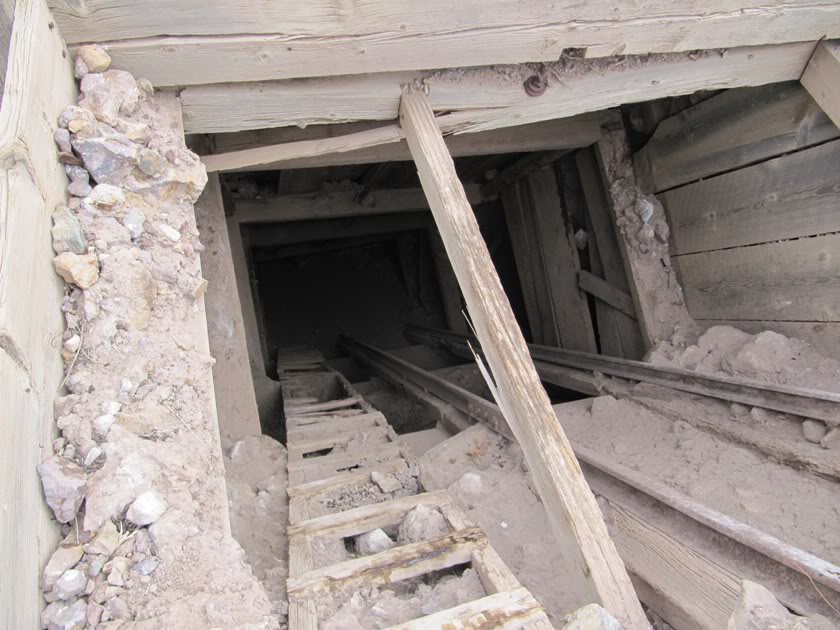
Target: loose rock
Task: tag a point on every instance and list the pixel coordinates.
(64, 558)
(64, 485)
(109, 94)
(108, 155)
(758, 609)
(372, 542)
(70, 584)
(67, 232)
(58, 617)
(592, 617)
(94, 57)
(81, 270)
(62, 140)
(107, 195)
(814, 430)
(169, 232)
(106, 541)
(146, 509)
(152, 163)
(422, 523)
(386, 483)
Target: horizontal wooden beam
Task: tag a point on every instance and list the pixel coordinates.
(822, 78)
(607, 293)
(185, 42)
(488, 99)
(595, 87)
(339, 204)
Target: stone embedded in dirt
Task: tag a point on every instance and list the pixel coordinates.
(108, 155)
(374, 541)
(152, 163)
(831, 439)
(169, 232)
(146, 566)
(386, 483)
(105, 542)
(758, 609)
(109, 94)
(134, 221)
(79, 181)
(71, 583)
(103, 424)
(592, 617)
(81, 270)
(422, 523)
(94, 57)
(118, 609)
(147, 508)
(67, 232)
(814, 430)
(75, 114)
(64, 558)
(57, 616)
(107, 195)
(470, 483)
(64, 485)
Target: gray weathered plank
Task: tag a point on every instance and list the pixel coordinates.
(822, 78)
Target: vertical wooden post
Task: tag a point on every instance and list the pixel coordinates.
(822, 78)
(450, 294)
(590, 554)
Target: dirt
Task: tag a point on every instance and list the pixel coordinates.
(139, 419)
(792, 505)
(486, 475)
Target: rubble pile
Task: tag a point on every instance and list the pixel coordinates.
(137, 479)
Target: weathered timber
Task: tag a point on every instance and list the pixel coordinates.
(822, 78)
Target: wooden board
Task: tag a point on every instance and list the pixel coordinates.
(39, 85)
(560, 264)
(591, 557)
(729, 131)
(257, 355)
(607, 293)
(583, 88)
(331, 205)
(186, 41)
(787, 197)
(796, 280)
(822, 78)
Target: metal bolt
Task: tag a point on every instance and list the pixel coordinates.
(535, 85)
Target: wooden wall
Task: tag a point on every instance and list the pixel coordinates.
(750, 180)
(39, 86)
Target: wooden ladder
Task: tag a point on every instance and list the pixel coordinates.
(317, 480)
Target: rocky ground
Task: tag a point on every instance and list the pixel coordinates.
(137, 479)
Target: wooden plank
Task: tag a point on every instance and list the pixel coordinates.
(507, 610)
(795, 280)
(577, 522)
(7, 14)
(822, 78)
(363, 519)
(299, 449)
(450, 294)
(729, 131)
(39, 85)
(178, 43)
(331, 205)
(514, 208)
(530, 163)
(559, 256)
(299, 410)
(561, 133)
(352, 423)
(604, 291)
(787, 197)
(257, 357)
(236, 402)
(323, 485)
(348, 459)
(585, 87)
(394, 565)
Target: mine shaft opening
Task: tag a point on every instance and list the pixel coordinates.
(373, 263)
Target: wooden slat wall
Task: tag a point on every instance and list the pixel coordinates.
(757, 247)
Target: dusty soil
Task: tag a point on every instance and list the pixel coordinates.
(137, 476)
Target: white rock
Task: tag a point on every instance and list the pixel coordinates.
(591, 617)
(103, 424)
(134, 221)
(374, 541)
(147, 508)
(83, 271)
(169, 232)
(470, 483)
(63, 559)
(92, 455)
(814, 430)
(64, 485)
(58, 617)
(107, 195)
(422, 523)
(386, 483)
(70, 584)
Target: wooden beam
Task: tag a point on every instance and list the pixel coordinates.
(472, 101)
(334, 205)
(729, 131)
(604, 291)
(233, 384)
(523, 166)
(181, 43)
(450, 294)
(822, 78)
(7, 15)
(620, 334)
(591, 555)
